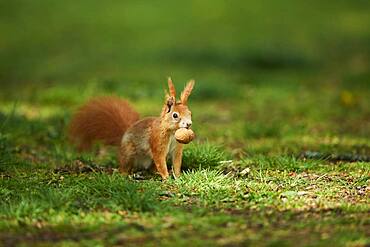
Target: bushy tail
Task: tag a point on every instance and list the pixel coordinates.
(103, 119)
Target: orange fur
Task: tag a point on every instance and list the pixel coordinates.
(187, 91)
(177, 159)
(102, 119)
(144, 144)
(171, 87)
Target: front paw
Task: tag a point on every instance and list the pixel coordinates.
(164, 176)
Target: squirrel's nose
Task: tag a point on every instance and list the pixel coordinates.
(188, 125)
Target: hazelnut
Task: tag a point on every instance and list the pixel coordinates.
(184, 136)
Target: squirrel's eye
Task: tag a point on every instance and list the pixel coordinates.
(175, 115)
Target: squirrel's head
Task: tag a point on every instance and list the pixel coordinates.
(176, 113)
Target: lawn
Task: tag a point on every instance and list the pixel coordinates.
(280, 108)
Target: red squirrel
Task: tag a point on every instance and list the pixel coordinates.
(143, 143)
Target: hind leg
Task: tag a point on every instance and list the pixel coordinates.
(125, 155)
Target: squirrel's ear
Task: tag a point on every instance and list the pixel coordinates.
(187, 91)
(170, 101)
(171, 87)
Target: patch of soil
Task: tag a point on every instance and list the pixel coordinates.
(332, 157)
(79, 166)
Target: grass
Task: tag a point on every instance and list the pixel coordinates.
(280, 111)
(205, 155)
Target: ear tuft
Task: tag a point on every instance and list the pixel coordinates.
(171, 88)
(187, 91)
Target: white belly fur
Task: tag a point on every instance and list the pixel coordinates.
(172, 146)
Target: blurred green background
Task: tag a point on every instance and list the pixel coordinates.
(281, 110)
(264, 69)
